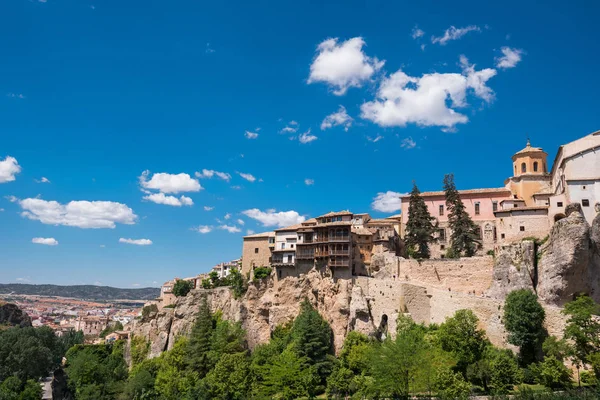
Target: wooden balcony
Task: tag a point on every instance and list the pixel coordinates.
(338, 263)
(305, 255)
(283, 263)
(342, 238)
(333, 252)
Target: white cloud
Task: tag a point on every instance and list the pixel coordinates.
(250, 232)
(408, 143)
(25, 279)
(12, 199)
(81, 214)
(248, 177)
(16, 95)
(273, 218)
(454, 33)
(209, 50)
(417, 33)
(170, 183)
(102, 245)
(203, 229)
(251, 135)
(374, 139)
(230, 228)
(429, 100)
(292, 122)
(227, 216)
(288, 129)
(236, 187)
(43, 180)
(161, 198)
(9, 167)
(46, 241)
(138, 242)
(209, 173)
(241, 222)
(387, 202)
(510, 58)
(343, 65)
(1, 209)
(339, 118)
(309, 182)
(306, 137)
(208, 208)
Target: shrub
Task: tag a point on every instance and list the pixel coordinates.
(262, 272)
(206, 284)
(554, 374)
(181, 288)
(139, 350)
(149, 312)
(450, 253)
(491, 253)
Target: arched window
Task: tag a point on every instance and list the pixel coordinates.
(535, 166)
(523, 168)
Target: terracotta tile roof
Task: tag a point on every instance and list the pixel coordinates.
(289, 228)
(260, 235)
(380, 221)
(361, 231)
(510, 210)
(394, 216)
(335, 214)
(310, 221)
(467, 192)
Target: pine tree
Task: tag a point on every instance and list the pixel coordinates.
(419, 227)
(464, 238)
(199, 345)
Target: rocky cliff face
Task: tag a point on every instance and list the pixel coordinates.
(568, 260)
(568, 263)
(12, 315)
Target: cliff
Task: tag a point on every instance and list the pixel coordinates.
(428, 290)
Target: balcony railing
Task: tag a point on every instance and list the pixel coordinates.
(339, 253)
(282, 262)
(305, 254)
(340, 238)
(339, 263)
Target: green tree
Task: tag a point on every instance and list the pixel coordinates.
(419, 227)
(464, 238)
(262, 272)
(557, 348)
(582, 327)
(110, 329)
(313, 339)
(237, 283)
(214, 278)
(339, 383)
(552, 373)
(289, 377)
(229, 379)
(174, 380)
(199, 345)
(182, 287)
(451, 386)
(504, 371)
(524, 319)
(460, 336)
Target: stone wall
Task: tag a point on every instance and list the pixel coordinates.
(465, 275)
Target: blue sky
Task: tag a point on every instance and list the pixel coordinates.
(95, 92)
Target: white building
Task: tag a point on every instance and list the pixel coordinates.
(284, 253)
(576, 176)
(224, 269)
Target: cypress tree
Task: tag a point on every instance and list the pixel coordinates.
(419, 227)
(464, 230)
(199, 345)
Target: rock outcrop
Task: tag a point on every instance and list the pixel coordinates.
(514, 268)
(12, 315)
(566, 267)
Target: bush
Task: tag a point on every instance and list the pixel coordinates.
(237, 283)
(491, 253)
(149, 312)
(262, 272)
(554, 374)
(181, 288)
(206, 284)
(450, 253)
(139, 350)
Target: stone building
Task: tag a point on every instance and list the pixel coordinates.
(256, 251)
(91, 325)
(223, 269)
(576, 177)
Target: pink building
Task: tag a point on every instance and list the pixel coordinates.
(479, 203)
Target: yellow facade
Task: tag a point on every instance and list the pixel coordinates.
(530, 174)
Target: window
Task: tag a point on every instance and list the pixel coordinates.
(494, 206)
(585, 202)
(515, 205)
(522, 228)
(441, 209)
(535, 166)
(271, 240)
(292, 245)
(523, 168)
(477, 210)
(279, 273)
(502, 236)
(442, 235)
(282, 246)
(559, 204)
(256, 250)
(583, 187)
(442, 247)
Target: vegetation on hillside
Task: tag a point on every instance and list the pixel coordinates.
(419, 227)
(87, 292)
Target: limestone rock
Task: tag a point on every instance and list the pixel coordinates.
(564, 269)
(384, 265)
(360, 315)
(12, 315)
(514, 268)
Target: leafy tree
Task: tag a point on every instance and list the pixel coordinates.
(582, 328)
(214, 278)
(464, 238)
(419, 227)
(206, 284)
(227, 338)
(174, 380)
(140, 348)
(13, 389)
(524, 319)
(460, 336)
(451, 386)
(313, 339)
(237, 283)
(552, 373)
(289, 377)
(557, 348)
(182, 287)
(262, 272)
(199, 345)
(140, 384)
(110, 329)
(229, 379)
(504, 371)
(339, 383)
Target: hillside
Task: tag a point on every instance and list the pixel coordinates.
(86, 292)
